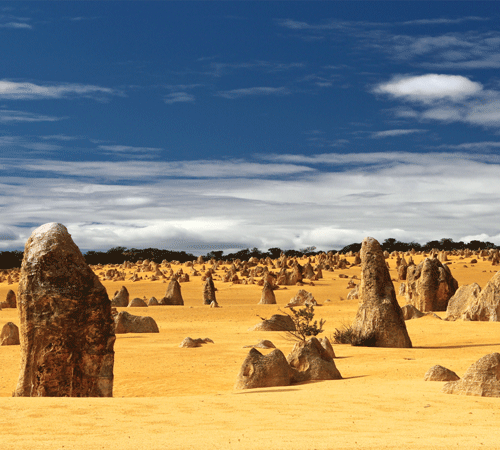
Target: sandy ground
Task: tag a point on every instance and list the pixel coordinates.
(168, 397)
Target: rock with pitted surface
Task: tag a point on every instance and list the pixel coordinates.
(410, 312)
(430, 285)
(267, 297)
(153, 302)
(259, 371)
(67, 333)
(486, 305)
(173, 296)
(121, 298)
(325, 342)
(379, 321)
(277, 322)
(440, 373)
(481, 379)
(128, 323)
(9, 334)
(312, 362)
(462, 299)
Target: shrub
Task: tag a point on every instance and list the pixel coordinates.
(346, 335)
(304, 325)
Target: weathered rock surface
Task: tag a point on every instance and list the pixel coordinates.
(267, 297)
(312, 362)
(483, 306)
(128, 323)
(67, 333)
(325, 342)
(440, 373)
(277, 322)
(302, 298)
(10, 300)
(430, 285)
(153, 302)
(464, 297)
(9, 334)
(258, 370)
(193, 343)
(481, 379)
(137, 303)
(410, 312)
(379, 317)
(353, 293)
(209, 292)
(265, 344)
(121, 298)
(173, 296)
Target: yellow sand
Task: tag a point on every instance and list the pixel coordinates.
(166, 397)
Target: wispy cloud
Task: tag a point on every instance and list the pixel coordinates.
(218, 69)
(11, 90)
(397, 132)
(126, 150)
(179, 97)
(8, 115)
(16, 25)
(253, 91)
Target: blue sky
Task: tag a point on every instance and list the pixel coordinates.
(223, 125)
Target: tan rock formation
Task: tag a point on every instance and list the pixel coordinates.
(277, 322)
(486, 306)
(9, 334)
(464, 297)
(312, 362)
(440, 373)
(481, 379)
(127, 323)
(430, 285)
(67, 333)
(302, 298)
(267, 297)
(121, 298)
(379, 317)
(137, 303)
(209, 292)
(258, 371)
(173, 296)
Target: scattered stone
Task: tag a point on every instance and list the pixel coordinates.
(127, 323)
(137, 303)
(192, 343)
(10, 334)
(379, 321)
(325, 342)
(265, 344)
(440, 373)
(312, 361)
(121, 298)
(259, 371)
(481, 379)
(267, 297)
(214, 304)
(153, 302)
(353, 293)
(302, 298)
(430, 285)
(277, 322)
(67, 333)
(10, 300)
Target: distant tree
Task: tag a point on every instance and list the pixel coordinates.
(215, 254)
(11, 259)
(274, 253)
(351, 248)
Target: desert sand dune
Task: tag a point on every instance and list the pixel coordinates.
(183, 398)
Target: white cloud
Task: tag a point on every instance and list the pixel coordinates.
(430, 87)
(397, 132)
(11, 90)
(403, 195)
(245, 92)
(16, 25)
(179, 97)
(127, 150)
(7, 116)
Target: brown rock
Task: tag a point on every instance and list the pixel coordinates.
(302, 298)
(430, 285)
(481, 379)
(265, 344)
(10, 334)
(153, 302)
(267, 297)
(312, 362)
(440, 373)
(379, 320)
(486, 306)
(173, 296)
(67, 333)
(463, 298)
(10, 300)
(127, 323)
(209, 292)
(137, 303)
(325, 342)
(121, 298)
(410, 312)
(353, 293)
(258, 371)
(277, 322)
(192, 343)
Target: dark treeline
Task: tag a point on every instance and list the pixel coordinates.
(117, 255)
